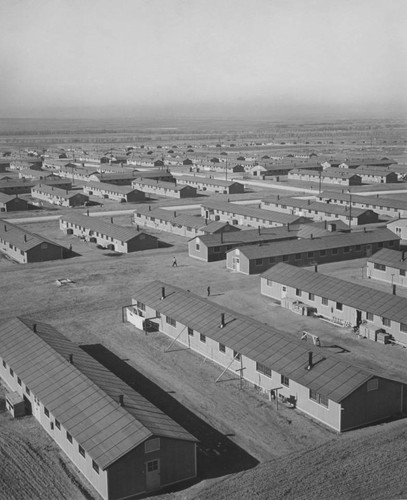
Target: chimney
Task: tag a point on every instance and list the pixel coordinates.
(149, 208)
(175, 214)
(71, 359)
(316, 268)
(288, 226)
(222, 320)
(394, 289)
(25, 238)
(310, 364)
(364, 230)
(111, 220)
(87, 213)
(121, 399)
(312, 236)
(309, 202)
(35, 327)
(162, 293)
(5, 228)
(221, 235)
(403, 255)
(259, 230)
(278, 197)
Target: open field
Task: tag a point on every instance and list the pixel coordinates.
(248, 447)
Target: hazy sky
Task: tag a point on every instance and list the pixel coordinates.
(242, 54)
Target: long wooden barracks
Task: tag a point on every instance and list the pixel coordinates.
(340, 395)
(121, 443)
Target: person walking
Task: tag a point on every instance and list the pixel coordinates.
(208, 290)
(174, 262)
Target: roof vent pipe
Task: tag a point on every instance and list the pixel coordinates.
(288, 226)
(310, 364)
(222, 320)
(25, 238)
(259, 230)
(121, 399)
(394, 289)
(5, 228)
(316, 268)
(111, 220)
(403, 255)
(163, 293)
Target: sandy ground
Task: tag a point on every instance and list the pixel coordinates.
(238, 429)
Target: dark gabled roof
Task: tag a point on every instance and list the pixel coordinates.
(318, 206)
(257, 341)
(51, 190)
(257, 213)
(390, 258)
(366, 170)
(368, 200)
(120, 233)
(31, 183)
(161, 184)
(111, 188)
(342, 173)
(83, 396)
(352, 294)
(109, 176)
(22, 238)
(206, 180)
(247, 236)
(315, 244)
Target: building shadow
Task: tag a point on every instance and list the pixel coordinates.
(217, 455)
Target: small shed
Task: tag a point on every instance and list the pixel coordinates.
(15, 404)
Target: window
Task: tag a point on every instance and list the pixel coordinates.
(298, 292)
(285, 258)
(369, 316)
(141, 306)
(237, 355)
(152, 466)
(27, 390)
(18, 380)
(324, 301)
(334, 251)
(95, 466)
(57, 424)
(152, 445)
(271, 260)
(222, 348)
(269, 283)
(358, 247)
(46, 411)
(311, 296)
(68, 437)
(391, 243)
(263, 369)
(190, 332)
(381, 244)
(318, 398)
(346, 250)
(372, 385)
(11, 372)
(297, 256)
(4, 364)
(339, 306)
(170, 321)
(402, 272)
(379, 267)
(386, 322)
(81, 450)
(216, 249)
(285, 380)
(259, 262)
(310, 254)
(322, 253)
(202, 338)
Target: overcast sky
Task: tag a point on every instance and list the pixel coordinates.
(241, 54)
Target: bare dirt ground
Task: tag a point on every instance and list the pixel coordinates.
(242, 427)
(32, 466)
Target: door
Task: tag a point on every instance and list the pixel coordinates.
(153, 475)
(28, 406)
(358, 318)
(236, 264)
